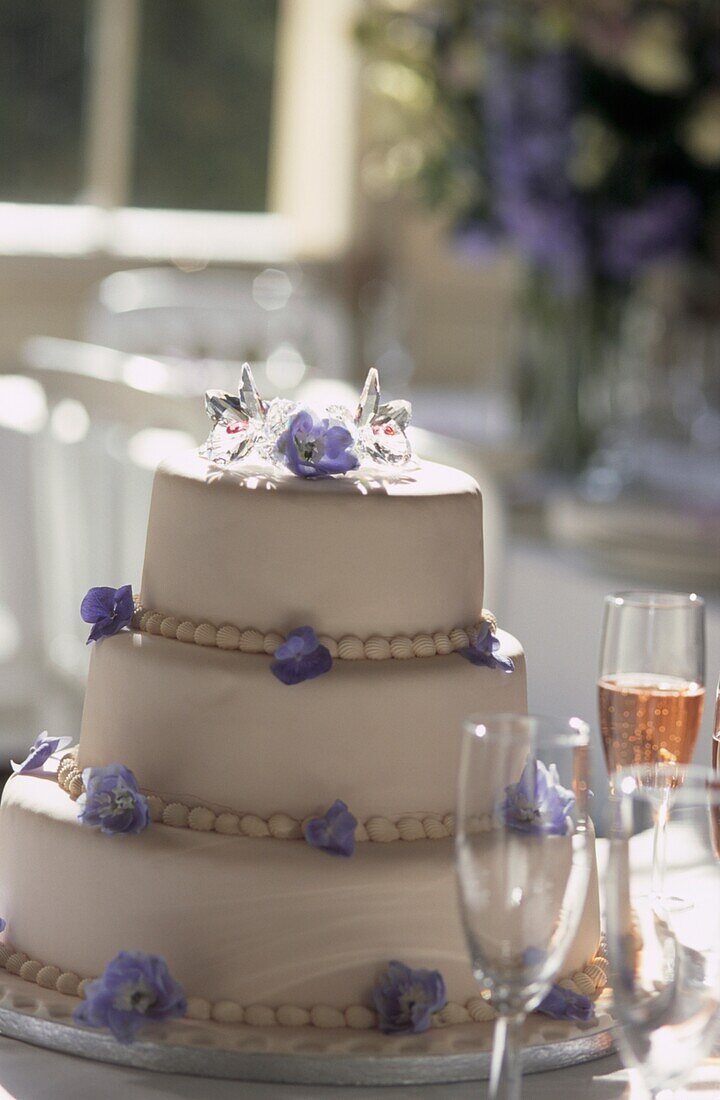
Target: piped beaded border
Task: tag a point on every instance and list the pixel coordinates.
(348, 648)
(280, 826)
(590, 981)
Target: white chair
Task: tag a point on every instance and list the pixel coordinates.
(272, 315)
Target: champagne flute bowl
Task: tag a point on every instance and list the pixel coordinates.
(652, 675)
(663, 900)
(523, 858)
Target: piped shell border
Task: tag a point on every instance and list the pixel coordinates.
(590, 981)
(279, 826)
(348, 648)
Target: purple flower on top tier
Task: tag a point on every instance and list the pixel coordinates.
(335, 832)
(39, 753)
(316, 448)
(300, 657)
(134, 989)
(405, 999)
(537, 804)
(112, 801)
(564, 1004)
(109, 609)
(484, 650)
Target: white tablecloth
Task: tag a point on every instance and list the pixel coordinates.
(27, 1073)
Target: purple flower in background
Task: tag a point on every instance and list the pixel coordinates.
(537, 804)
(335, 832)
(662, 227)
(109, 609)
(484, 650)
(529, 109)
(300, 657)
(134, 989)
(405, 999)
(39, 753)
(112, 801)
(316, 448)
(564, 1004)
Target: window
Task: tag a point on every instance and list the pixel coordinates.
(200, 129)
(42, 81)
(199, 111)
(204, 94)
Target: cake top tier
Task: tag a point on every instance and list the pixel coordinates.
(388, 552)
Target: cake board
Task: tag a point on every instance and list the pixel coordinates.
(304, 1055)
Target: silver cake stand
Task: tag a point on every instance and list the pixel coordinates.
(305, 1056)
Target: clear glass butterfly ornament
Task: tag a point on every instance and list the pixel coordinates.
(237, 421)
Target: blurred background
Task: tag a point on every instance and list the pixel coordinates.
(511, 209)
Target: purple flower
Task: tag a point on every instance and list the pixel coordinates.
(315, 448)
(109, 609)
(112, 801)
(335, 832)
(484, 651)
(134, 989)
(405, 999)
(300, 657)
(3, 924)
(662, 227)
(564, 1004)
(39, 753)
(537, 804)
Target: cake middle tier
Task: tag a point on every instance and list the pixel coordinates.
(212, 727)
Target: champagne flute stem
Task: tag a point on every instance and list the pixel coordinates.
(659, 841)
(506, 1063)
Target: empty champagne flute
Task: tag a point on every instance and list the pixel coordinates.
(652, 675)
(663, 900)
(523, 857)
(716, 730)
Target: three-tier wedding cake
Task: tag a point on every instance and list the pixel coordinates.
(271, 730)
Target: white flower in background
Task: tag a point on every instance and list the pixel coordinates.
(700, 133)
(653, 56)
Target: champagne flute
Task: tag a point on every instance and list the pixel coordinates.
(716, 730)
(664, 948)
(652, 674)
(523, 859)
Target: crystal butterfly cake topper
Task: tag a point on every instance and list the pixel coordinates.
(245, 426)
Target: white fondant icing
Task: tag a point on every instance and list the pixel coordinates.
(295, 927)
(358, 555)
(194, 721)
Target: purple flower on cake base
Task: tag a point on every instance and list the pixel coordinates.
(334, 832)
(109, 609)
(484, 651)
(316, 448)
(300, 657)
(405, 999)
(40, 753)
(538, 804)
(112, 801)
(135, 989)
(565, 1004)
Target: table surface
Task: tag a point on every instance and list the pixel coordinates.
(28, 1073)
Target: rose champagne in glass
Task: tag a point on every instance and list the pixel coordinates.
(651, 687)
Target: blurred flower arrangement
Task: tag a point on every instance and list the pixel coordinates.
(586, 133)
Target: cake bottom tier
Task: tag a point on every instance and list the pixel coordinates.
(250, 921)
